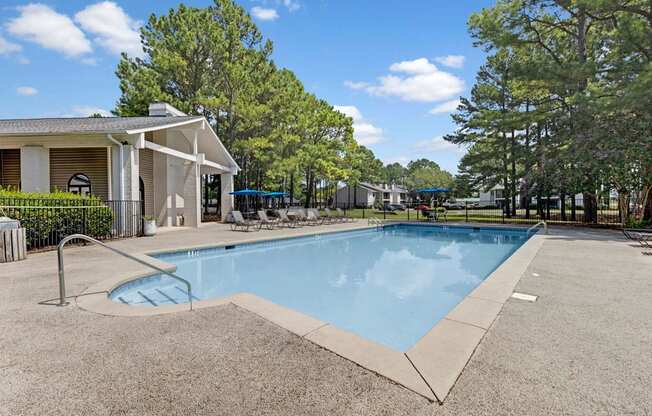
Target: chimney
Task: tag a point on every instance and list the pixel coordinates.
(164, 110)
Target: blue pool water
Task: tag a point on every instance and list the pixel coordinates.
(390, 285)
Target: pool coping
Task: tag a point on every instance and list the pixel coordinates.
(429, 368)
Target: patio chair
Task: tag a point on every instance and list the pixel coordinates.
(313, 217)
(284, 219)
(239, 223)
(325, 219)
(644, 237)
(267, 222)
(439, 215)
(342, 215)
(332, 216)
(300, 215)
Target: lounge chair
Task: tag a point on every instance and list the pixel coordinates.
(332, 216)
(644, 237)
(313, 217)
(299, 214)
(325, 219)
(239, 223)
(265, 221)
(342, 215)
(439, 215)
(284, 219)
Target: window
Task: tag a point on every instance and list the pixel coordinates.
(79, 184)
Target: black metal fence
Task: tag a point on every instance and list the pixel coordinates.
(47, 221)
(552, 210)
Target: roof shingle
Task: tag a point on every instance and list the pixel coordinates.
(86, 125)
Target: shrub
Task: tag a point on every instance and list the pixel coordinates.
(48, 217)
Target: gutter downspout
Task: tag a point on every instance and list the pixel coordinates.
(122, 168)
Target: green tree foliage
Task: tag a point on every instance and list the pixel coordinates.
(215, 62)
(562, 104)
(424, 173)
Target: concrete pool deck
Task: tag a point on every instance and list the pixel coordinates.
(582, 348)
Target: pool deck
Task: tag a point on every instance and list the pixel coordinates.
(582, 348)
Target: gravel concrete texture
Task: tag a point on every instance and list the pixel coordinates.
(582, 349)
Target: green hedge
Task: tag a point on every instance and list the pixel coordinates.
(50, 217)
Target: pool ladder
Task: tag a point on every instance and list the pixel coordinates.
(545, 227)
(62, 279)
(377, 222)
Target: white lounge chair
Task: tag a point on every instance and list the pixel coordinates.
(314, 217)
(265, 221)
(341, 213)
(239, 223)
(332, 216)
(285, 219)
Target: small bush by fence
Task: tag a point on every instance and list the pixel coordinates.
(48, 218)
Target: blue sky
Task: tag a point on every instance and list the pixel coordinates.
(397, 67)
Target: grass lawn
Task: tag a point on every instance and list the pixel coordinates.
(493, 215)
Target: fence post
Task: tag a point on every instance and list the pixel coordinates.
(363, 207)
(503, 212)
(466, 211)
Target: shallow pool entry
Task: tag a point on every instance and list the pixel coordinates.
(389, 285)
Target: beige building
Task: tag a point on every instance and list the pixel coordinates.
(157, 159)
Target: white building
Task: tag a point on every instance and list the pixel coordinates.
(158, 159)
(369, 195)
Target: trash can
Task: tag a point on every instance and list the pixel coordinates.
(13, 244)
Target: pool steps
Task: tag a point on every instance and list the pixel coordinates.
(157, 296)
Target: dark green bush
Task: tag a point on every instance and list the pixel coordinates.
(48, 217)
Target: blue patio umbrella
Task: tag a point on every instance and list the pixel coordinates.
(247, 193)
(274, 194)
(277, 196)
(432, 190)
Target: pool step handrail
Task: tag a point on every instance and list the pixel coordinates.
(375, 221)
(62, 279)
(545, 227)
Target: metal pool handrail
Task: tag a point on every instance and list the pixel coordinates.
(62, 283)
(545, 227)
(375, 221)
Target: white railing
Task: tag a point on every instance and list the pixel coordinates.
(62, 279)
(545, 227)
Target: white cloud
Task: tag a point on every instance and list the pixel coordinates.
(42, 25)
(356, 85)
(7, 47)
(291, 5)
(445, 107)
(365, 133)
(115, 30)
(418, 66)
(418, 80)
(86, 111)
(402, 159)
(437, 144)
(262, 13)
(451, 61)
(26, 91)
(24, 61)
(89, 61)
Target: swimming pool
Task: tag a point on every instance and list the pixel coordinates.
(389, 285)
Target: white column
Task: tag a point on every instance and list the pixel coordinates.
(35, 169)
(226, 181)
(132, 173)
(161, 194)
(192, 190)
